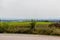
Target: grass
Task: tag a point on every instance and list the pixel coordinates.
(25, 23)
(25, 27)
(44, 22)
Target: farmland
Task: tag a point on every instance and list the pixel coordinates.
(24, 23)
(44, 28)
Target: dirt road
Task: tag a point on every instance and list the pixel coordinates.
(27, 37)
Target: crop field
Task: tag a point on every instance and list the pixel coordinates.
(44, 28)
(25, 23)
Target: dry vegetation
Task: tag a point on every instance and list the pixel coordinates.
(44, 28)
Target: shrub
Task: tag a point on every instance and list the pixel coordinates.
(32, 28)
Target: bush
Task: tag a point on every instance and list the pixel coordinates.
(47, 29)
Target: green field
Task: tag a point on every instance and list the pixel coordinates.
(25, 23)
(30, 28)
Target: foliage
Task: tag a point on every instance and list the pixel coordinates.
(32, 27)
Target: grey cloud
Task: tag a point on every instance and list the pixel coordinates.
(29, 8)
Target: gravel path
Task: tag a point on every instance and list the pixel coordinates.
(27, 37)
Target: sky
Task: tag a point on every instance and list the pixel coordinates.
(29, 9)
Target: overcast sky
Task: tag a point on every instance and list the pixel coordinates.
(29, 9)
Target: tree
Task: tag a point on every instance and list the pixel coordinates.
(33, 23)
(46, 21)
